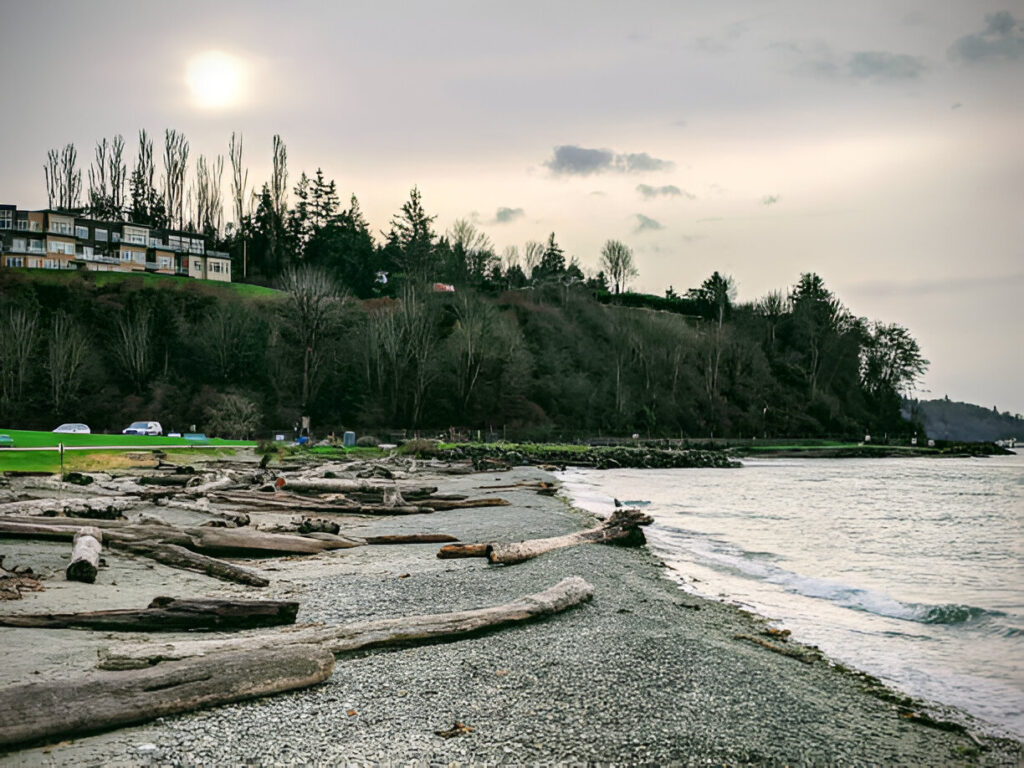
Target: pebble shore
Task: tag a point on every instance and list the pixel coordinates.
(644, 674)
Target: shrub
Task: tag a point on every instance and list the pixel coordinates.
(367, 441)
(419, 447)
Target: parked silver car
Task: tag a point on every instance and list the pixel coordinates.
(73, 429)
(143, 428)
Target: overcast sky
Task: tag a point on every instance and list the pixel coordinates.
(878, 144)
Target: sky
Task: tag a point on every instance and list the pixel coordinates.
(878, 144)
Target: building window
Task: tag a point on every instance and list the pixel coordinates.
(18, 244)
(21, 224)
(6, 219)
(115, 237)
(15, 261)
(51, 264)
(126, 255)
(35, 246)
(82, 233)
(87, 252)
(100, 234)
(60, 227)
(197, 265)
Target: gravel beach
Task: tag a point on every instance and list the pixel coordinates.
(645, 673)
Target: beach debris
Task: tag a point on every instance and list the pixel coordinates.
(453, 551)
(85, 555)
(168, 614)
(402, 631)
(16, 580)
(56, 709)
(805, 657)
(410, 538)
(459, 729)
(622, 528)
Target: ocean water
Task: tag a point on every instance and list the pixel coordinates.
(909, 569)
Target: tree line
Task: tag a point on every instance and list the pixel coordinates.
(359, 335)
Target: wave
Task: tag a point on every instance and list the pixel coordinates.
(755, 565)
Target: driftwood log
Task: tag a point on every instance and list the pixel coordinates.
(453, 551)
(367, 634)
(623, 528)
(178, 557)
(442, 504)
(85, 556)
(335, 485)
(168, 614)
(410, 538)
(52, 710)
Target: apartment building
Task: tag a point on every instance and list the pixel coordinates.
(51, 239)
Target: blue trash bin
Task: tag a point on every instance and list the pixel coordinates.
(350, 439)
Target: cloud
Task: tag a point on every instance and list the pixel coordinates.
(817, 59)
(505, 215)
(880, 65)
(669, 190)
(570, 160)
(770, 199)
(1002, 38)
(641, 162)
(645, 224)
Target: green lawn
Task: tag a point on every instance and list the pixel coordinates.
(146, 279)
(103, 456)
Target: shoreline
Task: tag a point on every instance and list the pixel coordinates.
(645, 673)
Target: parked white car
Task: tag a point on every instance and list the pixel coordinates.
(73, 429)
(143, 428)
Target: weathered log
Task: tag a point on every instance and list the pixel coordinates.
(318, 525)
(201, 489)
(179, 557)
(332, 485)
(621, 528)
(453, 551)
(238, 542)
(168, 614)
(441, 504)
(167, 480)
(366, 634)
(60, 709)
(100, 507)
(411, 538)
(85, 556)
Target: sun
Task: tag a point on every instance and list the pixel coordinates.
(215, 80)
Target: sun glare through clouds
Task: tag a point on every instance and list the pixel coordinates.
(214, 79)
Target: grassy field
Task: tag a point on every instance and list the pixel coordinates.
(146, 279)
(97, 451)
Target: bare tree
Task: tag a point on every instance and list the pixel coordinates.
(313, 302)
(279, 179)
(532, 254)
(17, 346)
(473, 340)
(133, 345)
(617, 261)
(63, 178)
(67, 353)
(175, 165)
(509, 258)
(107, 177)
(239, 179)
(209, 210)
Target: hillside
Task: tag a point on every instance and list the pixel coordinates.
(948, 420)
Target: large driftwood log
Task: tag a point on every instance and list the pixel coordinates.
(52, 710)
(441, 504)
(453, 551)
(367, 634)
(336, 485)
(179, 557)
(85, 556)
(623, 527)
(168, 614)
(237, 542)
(411, 538)
(100, 507)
